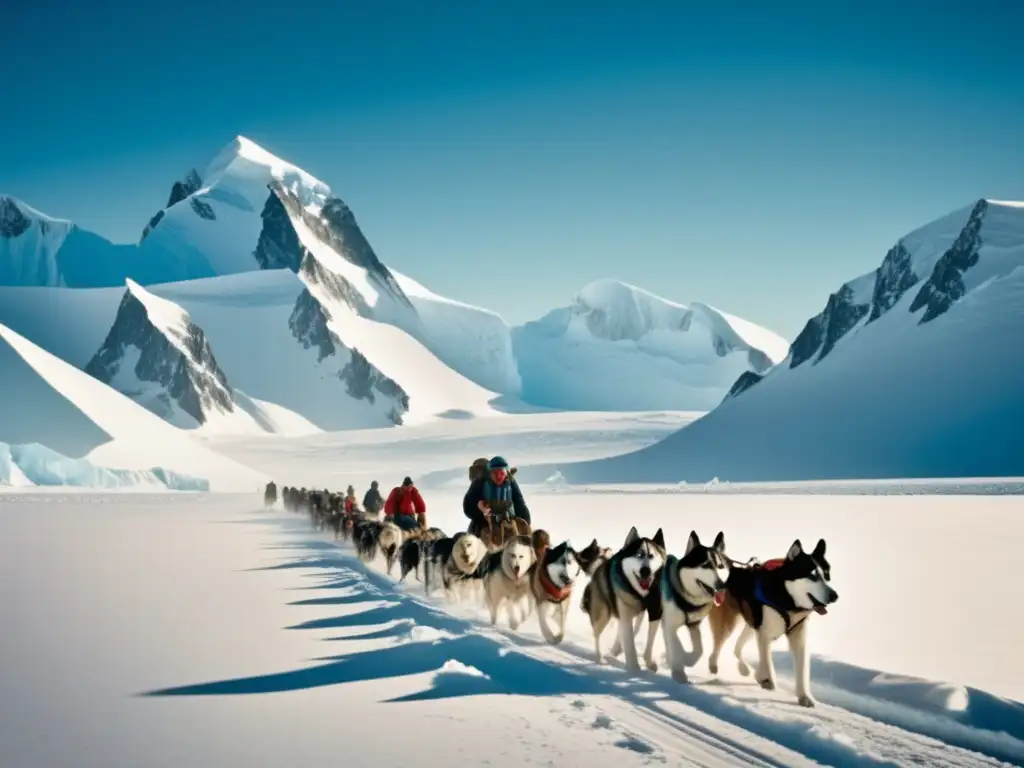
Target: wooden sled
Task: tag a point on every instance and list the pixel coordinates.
(496, 533)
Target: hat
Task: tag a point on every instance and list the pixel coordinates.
(407, 481)
(497, 463)
(373, 484)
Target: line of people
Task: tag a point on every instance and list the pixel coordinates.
(493, 492)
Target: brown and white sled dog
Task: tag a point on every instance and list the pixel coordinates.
(592, 556)
(619, 590)
(458, 561)
(690, 587)
(506, 578)
(773, 602)
(551, 581)
(389, 540)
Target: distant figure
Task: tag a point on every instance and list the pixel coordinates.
(270, 494)
(373, 502)
(405, 507)
(350, 501)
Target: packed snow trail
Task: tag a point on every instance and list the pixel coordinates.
(707, 723)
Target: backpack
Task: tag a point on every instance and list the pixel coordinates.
(478, 469)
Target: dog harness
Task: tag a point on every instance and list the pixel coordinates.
(555, 594)
(676, 596)
(761, 597)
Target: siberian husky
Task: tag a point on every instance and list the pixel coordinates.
(506, 577)
(389, 539)
(551, 581)
(690, 587)
(457, 559)
(775, 599)
(619, 590)
(592, 556)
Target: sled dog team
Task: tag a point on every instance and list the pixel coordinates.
(527, 573)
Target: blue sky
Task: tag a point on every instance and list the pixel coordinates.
(752, 156)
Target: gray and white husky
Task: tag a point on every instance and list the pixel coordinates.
(506, 578)
(688, 588)
(775, 599)
(619, 590)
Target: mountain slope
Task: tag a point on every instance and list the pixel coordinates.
(617, 347)
(45, 400)
(157, 356)
(914, 370)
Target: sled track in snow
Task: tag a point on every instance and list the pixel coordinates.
(709, 723)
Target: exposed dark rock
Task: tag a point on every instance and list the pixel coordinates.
(203, 209)
(336, 226)
(179, 191)
(746, 380)
(13, 223)
(946, 285)
(892, 279)
(278, 246)
(308, 324)
(363, 380)
(842, 315)
(152, 224)
(334, 285)
(191, 379)
(823, 331)
(808, 342)
(182, 189)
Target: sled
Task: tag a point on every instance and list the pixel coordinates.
(499, 528)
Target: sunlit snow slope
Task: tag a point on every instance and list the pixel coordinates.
(47, 401)
(617, 347)
(914, 370)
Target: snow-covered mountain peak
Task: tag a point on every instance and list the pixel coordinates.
(29, 242)
(244, 167)
(16, 216)
(619, 347)
(157, 356)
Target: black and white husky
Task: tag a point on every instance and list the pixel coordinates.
(773, 600)
(619, 590)
(551, 581)
(688, 588)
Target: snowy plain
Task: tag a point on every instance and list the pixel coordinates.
(209, 631)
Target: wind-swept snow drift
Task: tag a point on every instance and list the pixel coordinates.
(617, 347)
(49, 402)
(913, 370)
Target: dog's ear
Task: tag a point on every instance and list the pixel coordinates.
(795, 551)
(719, 545)
(632, 536)
(659, 539)
(692, 543)
(593, 544)
(819, 550)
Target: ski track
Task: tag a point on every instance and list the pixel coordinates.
(706, 723)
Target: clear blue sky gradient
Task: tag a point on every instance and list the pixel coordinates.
(751, 155)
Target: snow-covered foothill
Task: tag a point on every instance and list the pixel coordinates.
(618, 347)
(912, 371)
(47, 401)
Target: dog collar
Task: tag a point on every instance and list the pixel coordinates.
(555, 593)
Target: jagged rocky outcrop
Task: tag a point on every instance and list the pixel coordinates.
(893, 278)
(822, 332)
(309, 325)
(202, 209)
(13, 223)
(946, 286)
(335, 225)
(179, 191)
(746, 380)
(179, 361)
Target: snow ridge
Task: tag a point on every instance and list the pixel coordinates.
(156, 355)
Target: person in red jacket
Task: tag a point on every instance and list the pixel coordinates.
(405, 507)
(350, 501)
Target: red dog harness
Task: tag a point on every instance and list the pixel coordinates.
(555, 594)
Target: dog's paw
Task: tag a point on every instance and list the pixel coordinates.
(713, 667)
(743, 668)
(768, 684)
(679, 675)
(513, 625)
(616, 649)
(806, 701)
(557, 639)
(634, 667)
(652, 665)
